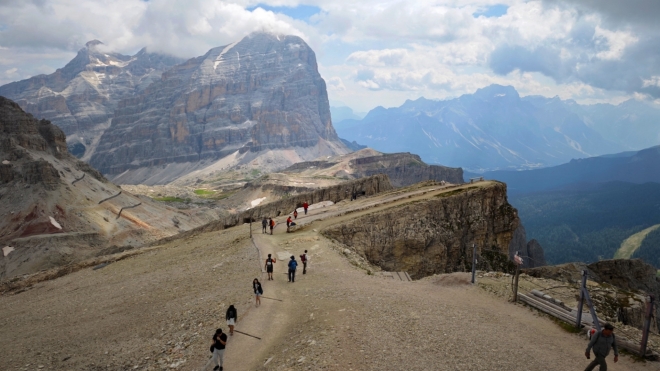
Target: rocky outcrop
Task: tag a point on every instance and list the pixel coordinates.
(82, 96)
(531, 252)
(435, 235)
(263, 92)
(405, 169)
(50, 202)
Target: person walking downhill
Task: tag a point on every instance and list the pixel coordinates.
(272, 225)
(303, 259)
(264, 224)
(601, 342)
(232, 318)
(295, 214)
(305, 206)
(293, 264)
(218, 349)
(258, 291)
(288, 223)
(269, 267)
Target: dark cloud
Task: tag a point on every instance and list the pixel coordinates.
(618, 11)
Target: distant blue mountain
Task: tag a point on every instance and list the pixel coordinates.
(342, 113)
(495, 129)
(632, 167)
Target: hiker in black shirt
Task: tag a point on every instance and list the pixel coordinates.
(264, 224)
(258, 291)
(232, 318)
(269, 267)
(218, 349)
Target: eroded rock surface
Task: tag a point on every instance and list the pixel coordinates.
(263, 92)
(433, 236)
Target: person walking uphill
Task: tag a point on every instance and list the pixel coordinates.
(271, 223)
(218, 349)
(601, 342)
(295, 214)
(269, 267)
(293, 264)
(232, 318)
(305, 206)
(288, 223)
(303, 259)
(258, 291)
(264, 224)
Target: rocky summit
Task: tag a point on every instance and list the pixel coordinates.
(82, 96)
(259, 94)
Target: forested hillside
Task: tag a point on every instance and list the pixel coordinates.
(650, 249)
(589, 222)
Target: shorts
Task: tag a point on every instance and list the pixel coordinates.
(269, 269)
(231, 322)
(257, 293)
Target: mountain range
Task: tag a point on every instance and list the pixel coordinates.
(150, 118)
(495, 128)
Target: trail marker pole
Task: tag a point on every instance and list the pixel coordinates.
(474, 261)
(647, 325)
(578, 322)
(247, 334)
(518, 261)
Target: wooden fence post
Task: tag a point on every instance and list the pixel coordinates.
(515, 282)
(647, 325)
(474, 261)
(578, 322)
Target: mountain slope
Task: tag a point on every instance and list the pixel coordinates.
(81, 97)
(588, 222)
(634, 167)
(491, 129)
(58, 210)
(259, 94)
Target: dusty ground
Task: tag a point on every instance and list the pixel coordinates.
(158, 310)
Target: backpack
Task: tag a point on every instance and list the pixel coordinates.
(303, 258)
(293, 264)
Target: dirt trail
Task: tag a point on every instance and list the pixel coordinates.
(158, 310)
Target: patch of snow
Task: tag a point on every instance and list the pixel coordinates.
(257, 201)
(219, 57)
(55, 223)
(5, 162)
(6, 250)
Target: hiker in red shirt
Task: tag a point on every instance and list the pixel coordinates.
(272, 225)
(305, 206)
(303, 259)
(295, 214)
(288, 223)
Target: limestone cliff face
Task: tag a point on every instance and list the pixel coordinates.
(434, 236)
(263, 92)
(81, 97)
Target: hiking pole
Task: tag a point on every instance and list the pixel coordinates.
(247, 334)
(266, 297)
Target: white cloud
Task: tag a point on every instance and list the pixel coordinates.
(617, 42)
(654, 81)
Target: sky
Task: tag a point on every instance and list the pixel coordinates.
(372, 53)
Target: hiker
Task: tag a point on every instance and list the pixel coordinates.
(232, 318)
(601, 342)
(354, 195)
(288, 223)
(303, 259)
(292, 269)
(258, 291)
(218, 349)
(264, 224)
(295, 214)
(305, 206)
(272, 225)
(269, 267)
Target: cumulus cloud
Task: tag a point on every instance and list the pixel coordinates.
(586, 49)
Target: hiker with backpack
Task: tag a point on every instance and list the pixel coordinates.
(305, 206)
(295, 214)
(258, 291)
(269, 267)
(218, 349)
(293, 264)
(303, 259)
(232, 317)
(272, 225)
(264, 224)
(601, 342)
